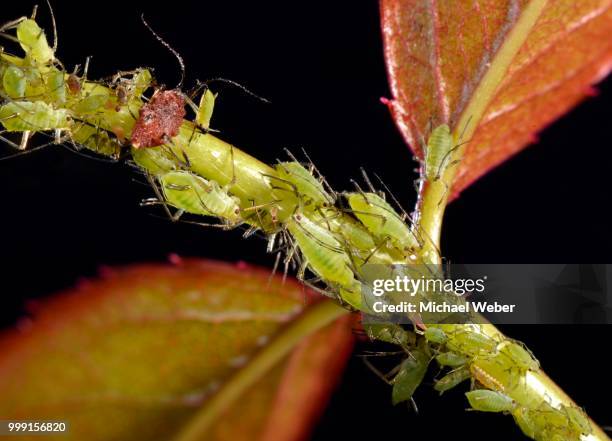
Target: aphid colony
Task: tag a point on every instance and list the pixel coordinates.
(326, 234)
(498, 369)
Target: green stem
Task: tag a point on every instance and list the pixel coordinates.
(312, 320)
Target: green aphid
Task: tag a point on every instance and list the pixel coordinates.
(486, 400)
(390, 333)
(381, 220)
(196, 195)
(90, 104)
(353, 232)
(14, 82)
(21, 116)
(578, 418)
(323, 253)
(435, 335)
(33, 41)
(301, 180)
(438, 152)
(411, 374)
(56, 86)
(451, 359)
(471, 343)
(205, 109)
(521, 357)
(452, 379)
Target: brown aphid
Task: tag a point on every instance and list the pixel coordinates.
(74, 85)
(159, 119)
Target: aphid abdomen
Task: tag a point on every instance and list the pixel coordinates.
(322, 250)
(306, 185)
(381, 219)
(159, 119)
(14, 82)
(34, 43)
(205, 109)
(219, 202)
(439, 147)
(452, 379)
(185, 191)
(353, 232)
(520, 356)
(451, 359)
(486, 400)
(21, 116)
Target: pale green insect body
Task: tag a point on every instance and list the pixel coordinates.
(194, 194)
(14, 82)
(381, 220)
(520, 356)
(301, 180)
(323, 252)
(353, 232)
(486, 400)
(451, 359)
(33, 41)
(410, 376)
(452, 379)
(439, 147)
(390, 333)
(205, 109)
(21, 116)
(435, 335)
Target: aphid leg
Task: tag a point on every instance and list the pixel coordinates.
(25, 138)
(162, 200)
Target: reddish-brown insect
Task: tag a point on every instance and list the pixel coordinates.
(159, 119)
(74, 84)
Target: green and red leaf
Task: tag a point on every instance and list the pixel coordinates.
(136, 354)
(439, 52)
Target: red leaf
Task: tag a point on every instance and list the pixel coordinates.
(438, 54)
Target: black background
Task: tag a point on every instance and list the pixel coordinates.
(321, 65)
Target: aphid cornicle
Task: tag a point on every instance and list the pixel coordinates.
(486, 400)
(381, 219)
(196, 195)
(323, 252)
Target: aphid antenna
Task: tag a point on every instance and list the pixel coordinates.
(369, 183)
(235, 84)
(171, 49)
(52, 15)
(322, 179)
(405, 215)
